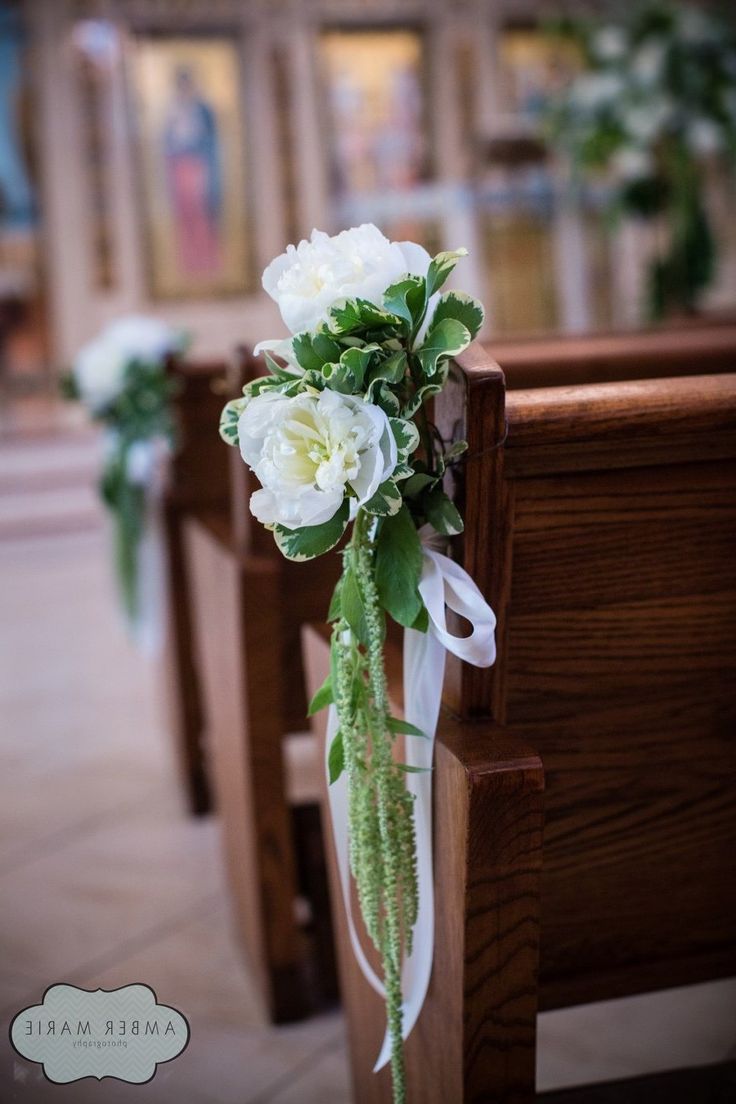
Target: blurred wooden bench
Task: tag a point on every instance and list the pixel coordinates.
(584, 816)
(248, 604)
(199, 480)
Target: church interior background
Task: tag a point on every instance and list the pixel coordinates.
(154, 156)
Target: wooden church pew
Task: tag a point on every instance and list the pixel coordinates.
(198, 480)
(248, 604)
(210, 484)
(602, 358)
(600, 525)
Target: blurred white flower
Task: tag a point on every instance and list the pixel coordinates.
(695, 27)
(648, 63)
(141, 338)
(609, 43)
(704, 137)
(310, 450)
(592, 91)
(99, 369)
(311, 277)
(99, 373)
(632, 163)
(644, 122)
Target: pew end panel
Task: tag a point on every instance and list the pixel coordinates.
(247, 612)
(236, 612)
(475, 1039)
(607, 553)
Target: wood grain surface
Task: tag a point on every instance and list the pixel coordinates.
(199, 479)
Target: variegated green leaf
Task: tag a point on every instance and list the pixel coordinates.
(419, 397)
(407, 299)
(312, 540)
(386, 501)
(387, 401)
(446, 339)
(229, 420)
(390, 370)
(359, 314)
(406, 436)
(441, 267)
(442, 513)
(463, 308)
(402, 471)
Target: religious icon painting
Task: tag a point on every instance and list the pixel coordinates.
(188, 113)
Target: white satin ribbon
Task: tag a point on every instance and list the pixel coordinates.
(443, 583)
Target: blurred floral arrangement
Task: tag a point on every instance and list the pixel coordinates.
(121, 379)
(338, 434)
(655, 102)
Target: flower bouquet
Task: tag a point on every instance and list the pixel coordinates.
(656, 101)
(339, 436)
(121, 379)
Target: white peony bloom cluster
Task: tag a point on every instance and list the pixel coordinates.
(310, 450)
(99, 370)
(361, 263)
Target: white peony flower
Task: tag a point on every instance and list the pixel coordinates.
(309, 451)
(99, 370)
(311, 277)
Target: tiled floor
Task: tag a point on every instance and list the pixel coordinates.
(104, 880)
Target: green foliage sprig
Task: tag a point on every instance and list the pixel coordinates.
(139, 412)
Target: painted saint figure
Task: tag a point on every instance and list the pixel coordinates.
(192, 151)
